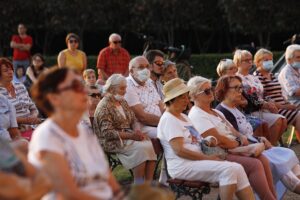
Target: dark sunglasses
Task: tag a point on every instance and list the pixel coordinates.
(207, 91)
(95, 95)
(237, 88)
(159, 63)
(117, 42)
(73, 41)
(75, 86)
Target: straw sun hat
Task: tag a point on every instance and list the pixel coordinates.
(174, 88)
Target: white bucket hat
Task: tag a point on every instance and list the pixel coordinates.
(174, 88)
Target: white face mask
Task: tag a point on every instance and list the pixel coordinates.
(296, 65)
(143, 75)
(118, 97)
(268, 65)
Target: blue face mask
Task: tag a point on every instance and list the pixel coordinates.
(268, 65)
(296, 65)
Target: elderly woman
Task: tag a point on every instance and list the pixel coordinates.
(211, 122)
(263, 60)
(183, 154)
(253, 87)
(68, 152)
(72, 57)
(26, 111)
(227, 67)
(169, 71)
(284, 162)
(118, 131)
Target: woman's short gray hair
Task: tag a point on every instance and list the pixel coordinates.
(113, 81)
(223, 65)
(194, 84)
(289, 52)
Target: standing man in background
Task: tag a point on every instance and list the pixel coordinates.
(21, 45)
(113, 59)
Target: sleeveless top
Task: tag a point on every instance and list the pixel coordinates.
(74, 62)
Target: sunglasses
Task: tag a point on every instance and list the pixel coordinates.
(237, 88)
(159, 63)
(207, 91)
(117, 42)
(95, 95)
(73, 41)
(75, 86)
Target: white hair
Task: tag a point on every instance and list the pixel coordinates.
(238, 54)
(289, 52)
(113, 81)
(113, 35)
(194, 84)
(134, 62)
(223, 65)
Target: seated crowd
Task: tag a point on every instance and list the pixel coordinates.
(86, 119)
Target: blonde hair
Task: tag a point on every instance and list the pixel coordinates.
(87, 72)
(194, 84)
(238, 54)
(223, 65)
(260, 54)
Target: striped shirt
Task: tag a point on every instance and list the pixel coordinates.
(22, 102)
(273, 91)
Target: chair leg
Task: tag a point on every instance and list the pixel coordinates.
(290, 138)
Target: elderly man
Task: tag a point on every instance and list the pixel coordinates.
(156, 61)
(289, 76)
(142, 96)
(21, 45)
(113, 59)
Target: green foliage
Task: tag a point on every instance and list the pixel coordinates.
(204, 64)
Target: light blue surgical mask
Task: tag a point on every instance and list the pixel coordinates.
(268, 65)
(296, 65)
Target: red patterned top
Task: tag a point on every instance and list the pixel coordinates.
(113, 62)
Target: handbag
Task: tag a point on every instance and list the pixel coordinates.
(251, 150)
(207, 150)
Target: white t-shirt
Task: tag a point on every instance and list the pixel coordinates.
(83, 153)
(204, 121)
(170, 127)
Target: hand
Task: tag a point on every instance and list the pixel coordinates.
(34, 120)
(268, 145)
(41, 184)
(271, 107)
(215, 157)
(139, 136)
(290, 107)
(244, 140)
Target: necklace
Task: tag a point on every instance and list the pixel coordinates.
(11, 90)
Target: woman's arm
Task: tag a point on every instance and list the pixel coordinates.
(181, 151)
(59, 172)
(223, 141)
(61, 59)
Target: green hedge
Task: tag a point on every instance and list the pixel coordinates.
(204, 64)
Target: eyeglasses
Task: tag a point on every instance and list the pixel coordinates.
(95, 95)
(75, 86)
(117, 42)
(207, 91)
(73, 41)
(159, 63)
(247, 61)
(237, 88)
